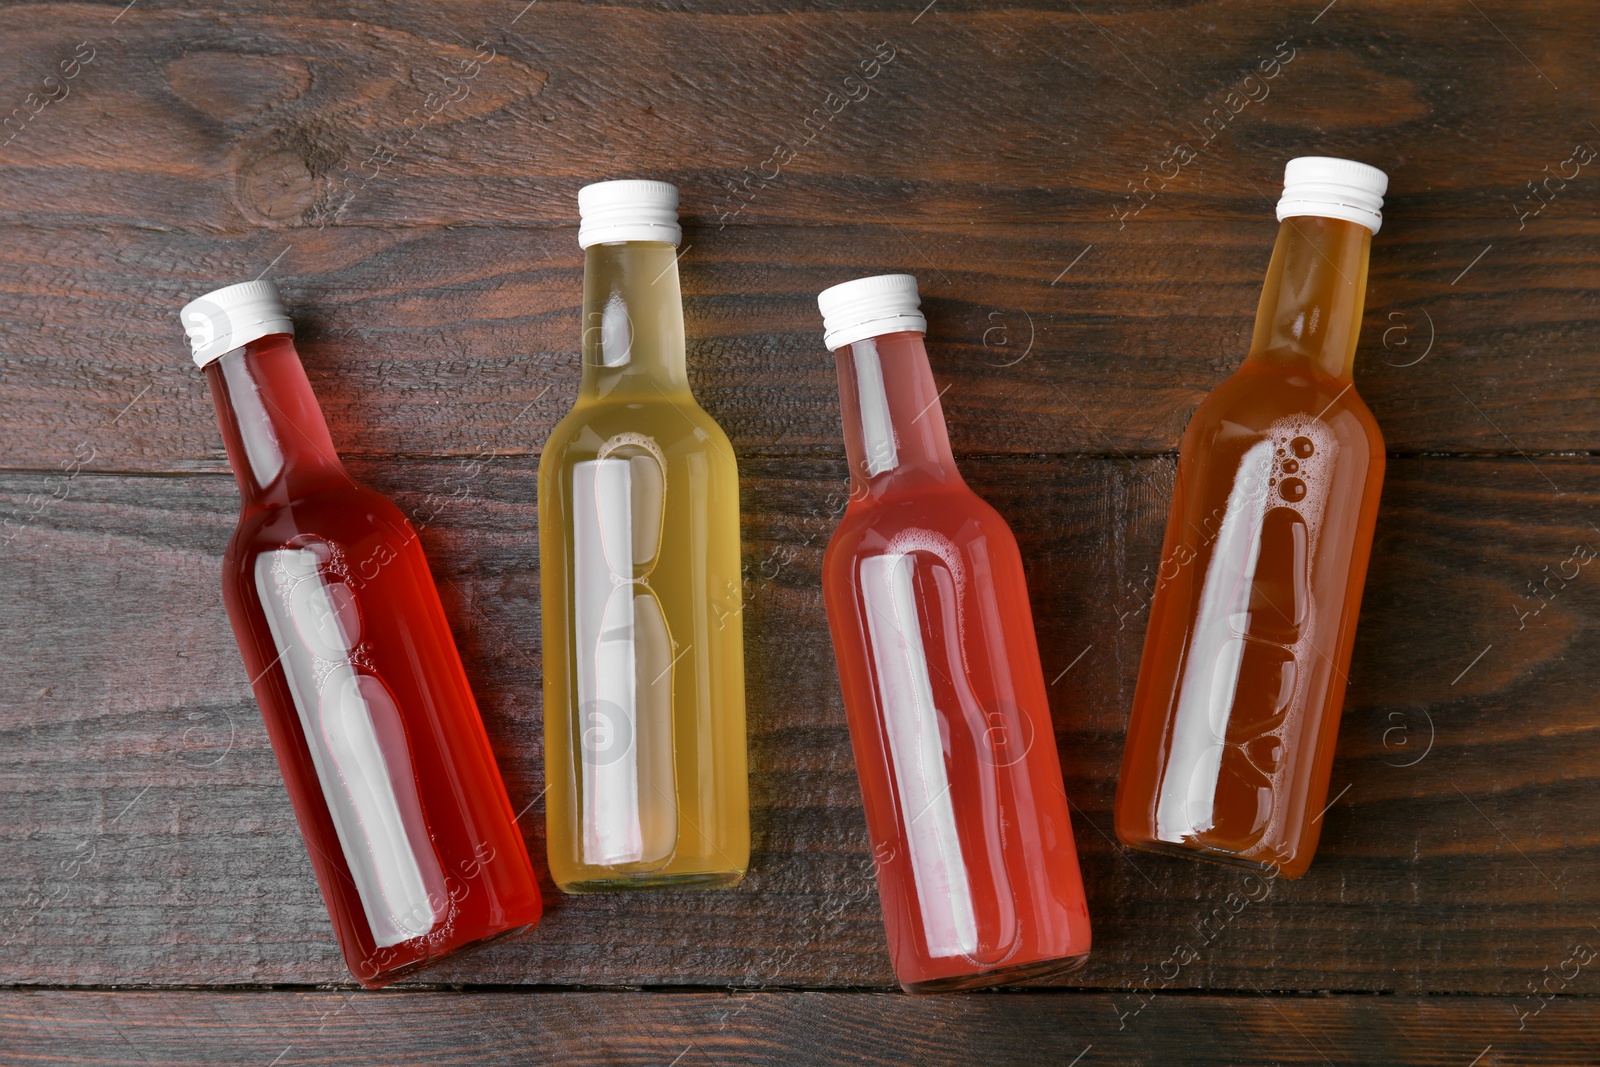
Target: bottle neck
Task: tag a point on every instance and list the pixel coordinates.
(277, 439)
(632, 322)
(1310, 311)
(894, 432)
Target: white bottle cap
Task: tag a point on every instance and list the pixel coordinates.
(1334, 189)
(232, 317)
(609, 212)
(870, 307)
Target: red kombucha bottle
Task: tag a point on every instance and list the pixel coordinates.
(390, 772)
(928, 606)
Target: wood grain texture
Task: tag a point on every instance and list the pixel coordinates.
(407, 172)
(579, 1029)
(150, 840)
(415, 169)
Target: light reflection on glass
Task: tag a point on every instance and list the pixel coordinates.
(911, 722)
(261, 445)
(350, 719)
(877, 431)
(625, 655)
(1186, 804)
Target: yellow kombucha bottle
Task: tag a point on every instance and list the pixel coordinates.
(640, 581)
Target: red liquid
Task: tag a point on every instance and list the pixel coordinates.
(390, 772)
(928, 606)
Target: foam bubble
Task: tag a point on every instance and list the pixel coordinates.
(934, 543)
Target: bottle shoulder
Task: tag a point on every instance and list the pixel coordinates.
(348, 514)
(1261, 398)
(955, 515)
(674, 425)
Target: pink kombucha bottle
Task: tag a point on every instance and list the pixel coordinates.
(928, 606)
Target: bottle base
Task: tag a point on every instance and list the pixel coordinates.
(1023, 972)
(408, 969)
(625, 883)
(1217, 855)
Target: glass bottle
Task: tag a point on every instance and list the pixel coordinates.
(640, 580)
(928, 606)
(387, 764)
(1231, 739)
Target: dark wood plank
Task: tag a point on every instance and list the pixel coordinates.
(148, 839)
(268, 118)
(437, 289)
(692, 1029)
(429, 342)
(427, 248)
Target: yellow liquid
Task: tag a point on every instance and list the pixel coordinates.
(643, 624)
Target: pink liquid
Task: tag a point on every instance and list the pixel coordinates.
(928, 607)
(362, 691)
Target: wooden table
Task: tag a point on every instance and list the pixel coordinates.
(407, 172)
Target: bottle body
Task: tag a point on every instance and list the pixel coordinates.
(1231, 738)
(376, 731)
(928, 609)
(645, 758)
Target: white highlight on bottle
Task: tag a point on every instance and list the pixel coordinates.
(624, 668)
(262, 450)
(616, 332)
(917, 755)
(315, 625)
(1186, 805)
(877, 432)
(1297, 448)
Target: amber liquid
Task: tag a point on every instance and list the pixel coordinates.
(386, 761)
(642, 599)
(1247, 654)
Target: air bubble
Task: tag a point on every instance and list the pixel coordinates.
(1303, 447)
(1293, 490)
(1290, 466)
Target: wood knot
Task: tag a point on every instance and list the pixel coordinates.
(275, 187)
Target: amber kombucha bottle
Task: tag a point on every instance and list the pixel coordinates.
(1231, 738)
